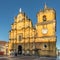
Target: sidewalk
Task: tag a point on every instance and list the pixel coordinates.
(33, 58)
(26, 57)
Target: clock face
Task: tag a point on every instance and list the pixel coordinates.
(44, 31)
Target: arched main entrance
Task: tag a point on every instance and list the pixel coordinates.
(19, 49)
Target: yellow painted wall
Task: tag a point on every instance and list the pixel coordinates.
(22, 26)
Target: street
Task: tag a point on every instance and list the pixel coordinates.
(27, 58)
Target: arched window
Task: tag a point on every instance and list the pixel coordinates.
(44, 18)
(20, 37)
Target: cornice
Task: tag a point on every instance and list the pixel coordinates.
(47, 36)
(47, 22)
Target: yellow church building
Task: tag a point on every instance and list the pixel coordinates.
(24, 38)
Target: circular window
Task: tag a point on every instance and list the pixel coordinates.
(45, 46)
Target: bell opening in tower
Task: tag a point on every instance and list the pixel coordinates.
(44, 18)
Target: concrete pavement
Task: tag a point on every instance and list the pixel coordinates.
(27, 58)
(33, 58)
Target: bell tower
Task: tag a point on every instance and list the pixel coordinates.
(46, 30)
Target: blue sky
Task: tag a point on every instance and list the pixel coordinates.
(10, 8)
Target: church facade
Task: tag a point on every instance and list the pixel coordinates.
(24, 38)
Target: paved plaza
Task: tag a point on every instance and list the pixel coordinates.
(27, 58)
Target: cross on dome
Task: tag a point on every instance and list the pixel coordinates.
(45, 6)
(20, 10)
